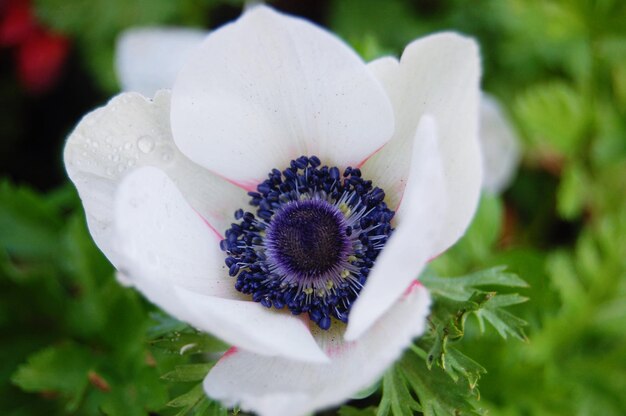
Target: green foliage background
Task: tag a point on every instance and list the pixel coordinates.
(76, 342)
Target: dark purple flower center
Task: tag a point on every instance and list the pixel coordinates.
(307, 238)
(312, 242)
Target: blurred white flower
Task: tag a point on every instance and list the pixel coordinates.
(499, 144)
(313, 319)
(148, 59)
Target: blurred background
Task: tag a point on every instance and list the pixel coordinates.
(73, 341)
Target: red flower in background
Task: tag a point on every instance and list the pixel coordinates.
(39, 52)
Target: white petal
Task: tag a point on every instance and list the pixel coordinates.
(438, 75)
(164, 239)
(244, 323)
(148, 59)
(499, 144)
(420, 221)
(170, 255)
(129, 132)
(280, 387)
(269, 88)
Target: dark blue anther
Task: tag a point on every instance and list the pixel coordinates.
(234, 269)
(324, 323)
(264, 188)
(314, 161)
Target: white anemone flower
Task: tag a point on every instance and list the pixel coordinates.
(316, 295)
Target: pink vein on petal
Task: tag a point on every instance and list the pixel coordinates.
(249, 186)
(217, 233)
(361, 163)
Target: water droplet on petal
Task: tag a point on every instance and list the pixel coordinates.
(167, 155)
(145, 144)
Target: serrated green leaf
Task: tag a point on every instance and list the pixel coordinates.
(188, 372)
(461, 288)
(397, 399)
(62, 369)
(458, 363)
(188, 399)
(455, 300)
(541, 105)
(503, 321)
(437, 394)
(194, 402)
(500, 301)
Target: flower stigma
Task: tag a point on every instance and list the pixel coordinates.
(312, 242)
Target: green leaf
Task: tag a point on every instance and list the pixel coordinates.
(461, 288)
(137, 395)
(29, 227)
(87, 272)
(541, 105)
(565, 281)
(457, 298)
(571, 197)
(188, 399)
(188, 372)
(456, 363)
(195, 402)
(482, 235)
(503, 321)
(353, 411)
(62, 369)
(397, 397)
(437, 394)
(189, 342)
(163, 324)
(367, 392)
(396, 25)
